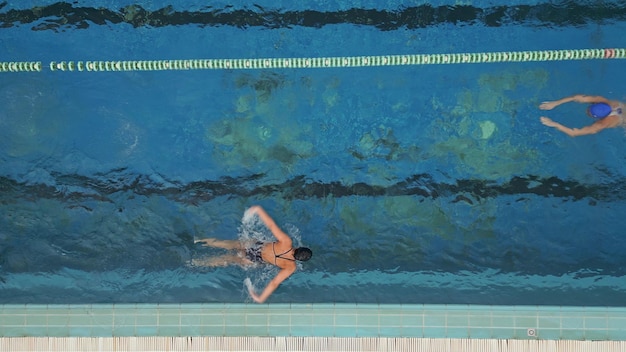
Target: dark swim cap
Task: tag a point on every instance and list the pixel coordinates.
(599, 110)
(302, 254)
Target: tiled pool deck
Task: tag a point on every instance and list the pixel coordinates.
(323, 320)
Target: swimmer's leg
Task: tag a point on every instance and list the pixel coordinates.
(222, 260)
(226, 244)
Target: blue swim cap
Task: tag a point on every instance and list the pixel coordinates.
(599, 110)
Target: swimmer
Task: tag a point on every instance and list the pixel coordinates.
(606, 113)
(279, 253)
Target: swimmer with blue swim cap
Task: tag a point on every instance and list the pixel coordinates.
(606, 113)
(599, 110)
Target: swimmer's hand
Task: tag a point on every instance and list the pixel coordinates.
(250, 212)
(253, 209)
(548, 105)
(548, 122)
(253, 294)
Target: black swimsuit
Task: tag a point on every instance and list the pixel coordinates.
(253, 253)
(281, 255)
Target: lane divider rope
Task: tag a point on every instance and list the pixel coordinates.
(320, 62)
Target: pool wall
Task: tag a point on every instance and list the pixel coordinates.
(315, 320)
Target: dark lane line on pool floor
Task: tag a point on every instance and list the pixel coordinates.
(73, 188)
(63, 15)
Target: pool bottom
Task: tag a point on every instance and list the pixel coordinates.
(315, 320)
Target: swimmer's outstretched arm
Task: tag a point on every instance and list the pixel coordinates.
(579, 98)
(574, 132)
(269, 223)
(271, 286)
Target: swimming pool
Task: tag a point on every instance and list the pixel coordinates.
(412, 184)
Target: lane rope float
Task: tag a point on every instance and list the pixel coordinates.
(319, 62)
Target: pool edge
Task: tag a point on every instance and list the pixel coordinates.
(315, 320)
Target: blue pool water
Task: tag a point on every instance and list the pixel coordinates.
(412, 184)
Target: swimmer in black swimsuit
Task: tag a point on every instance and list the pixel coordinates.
(259, 253)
